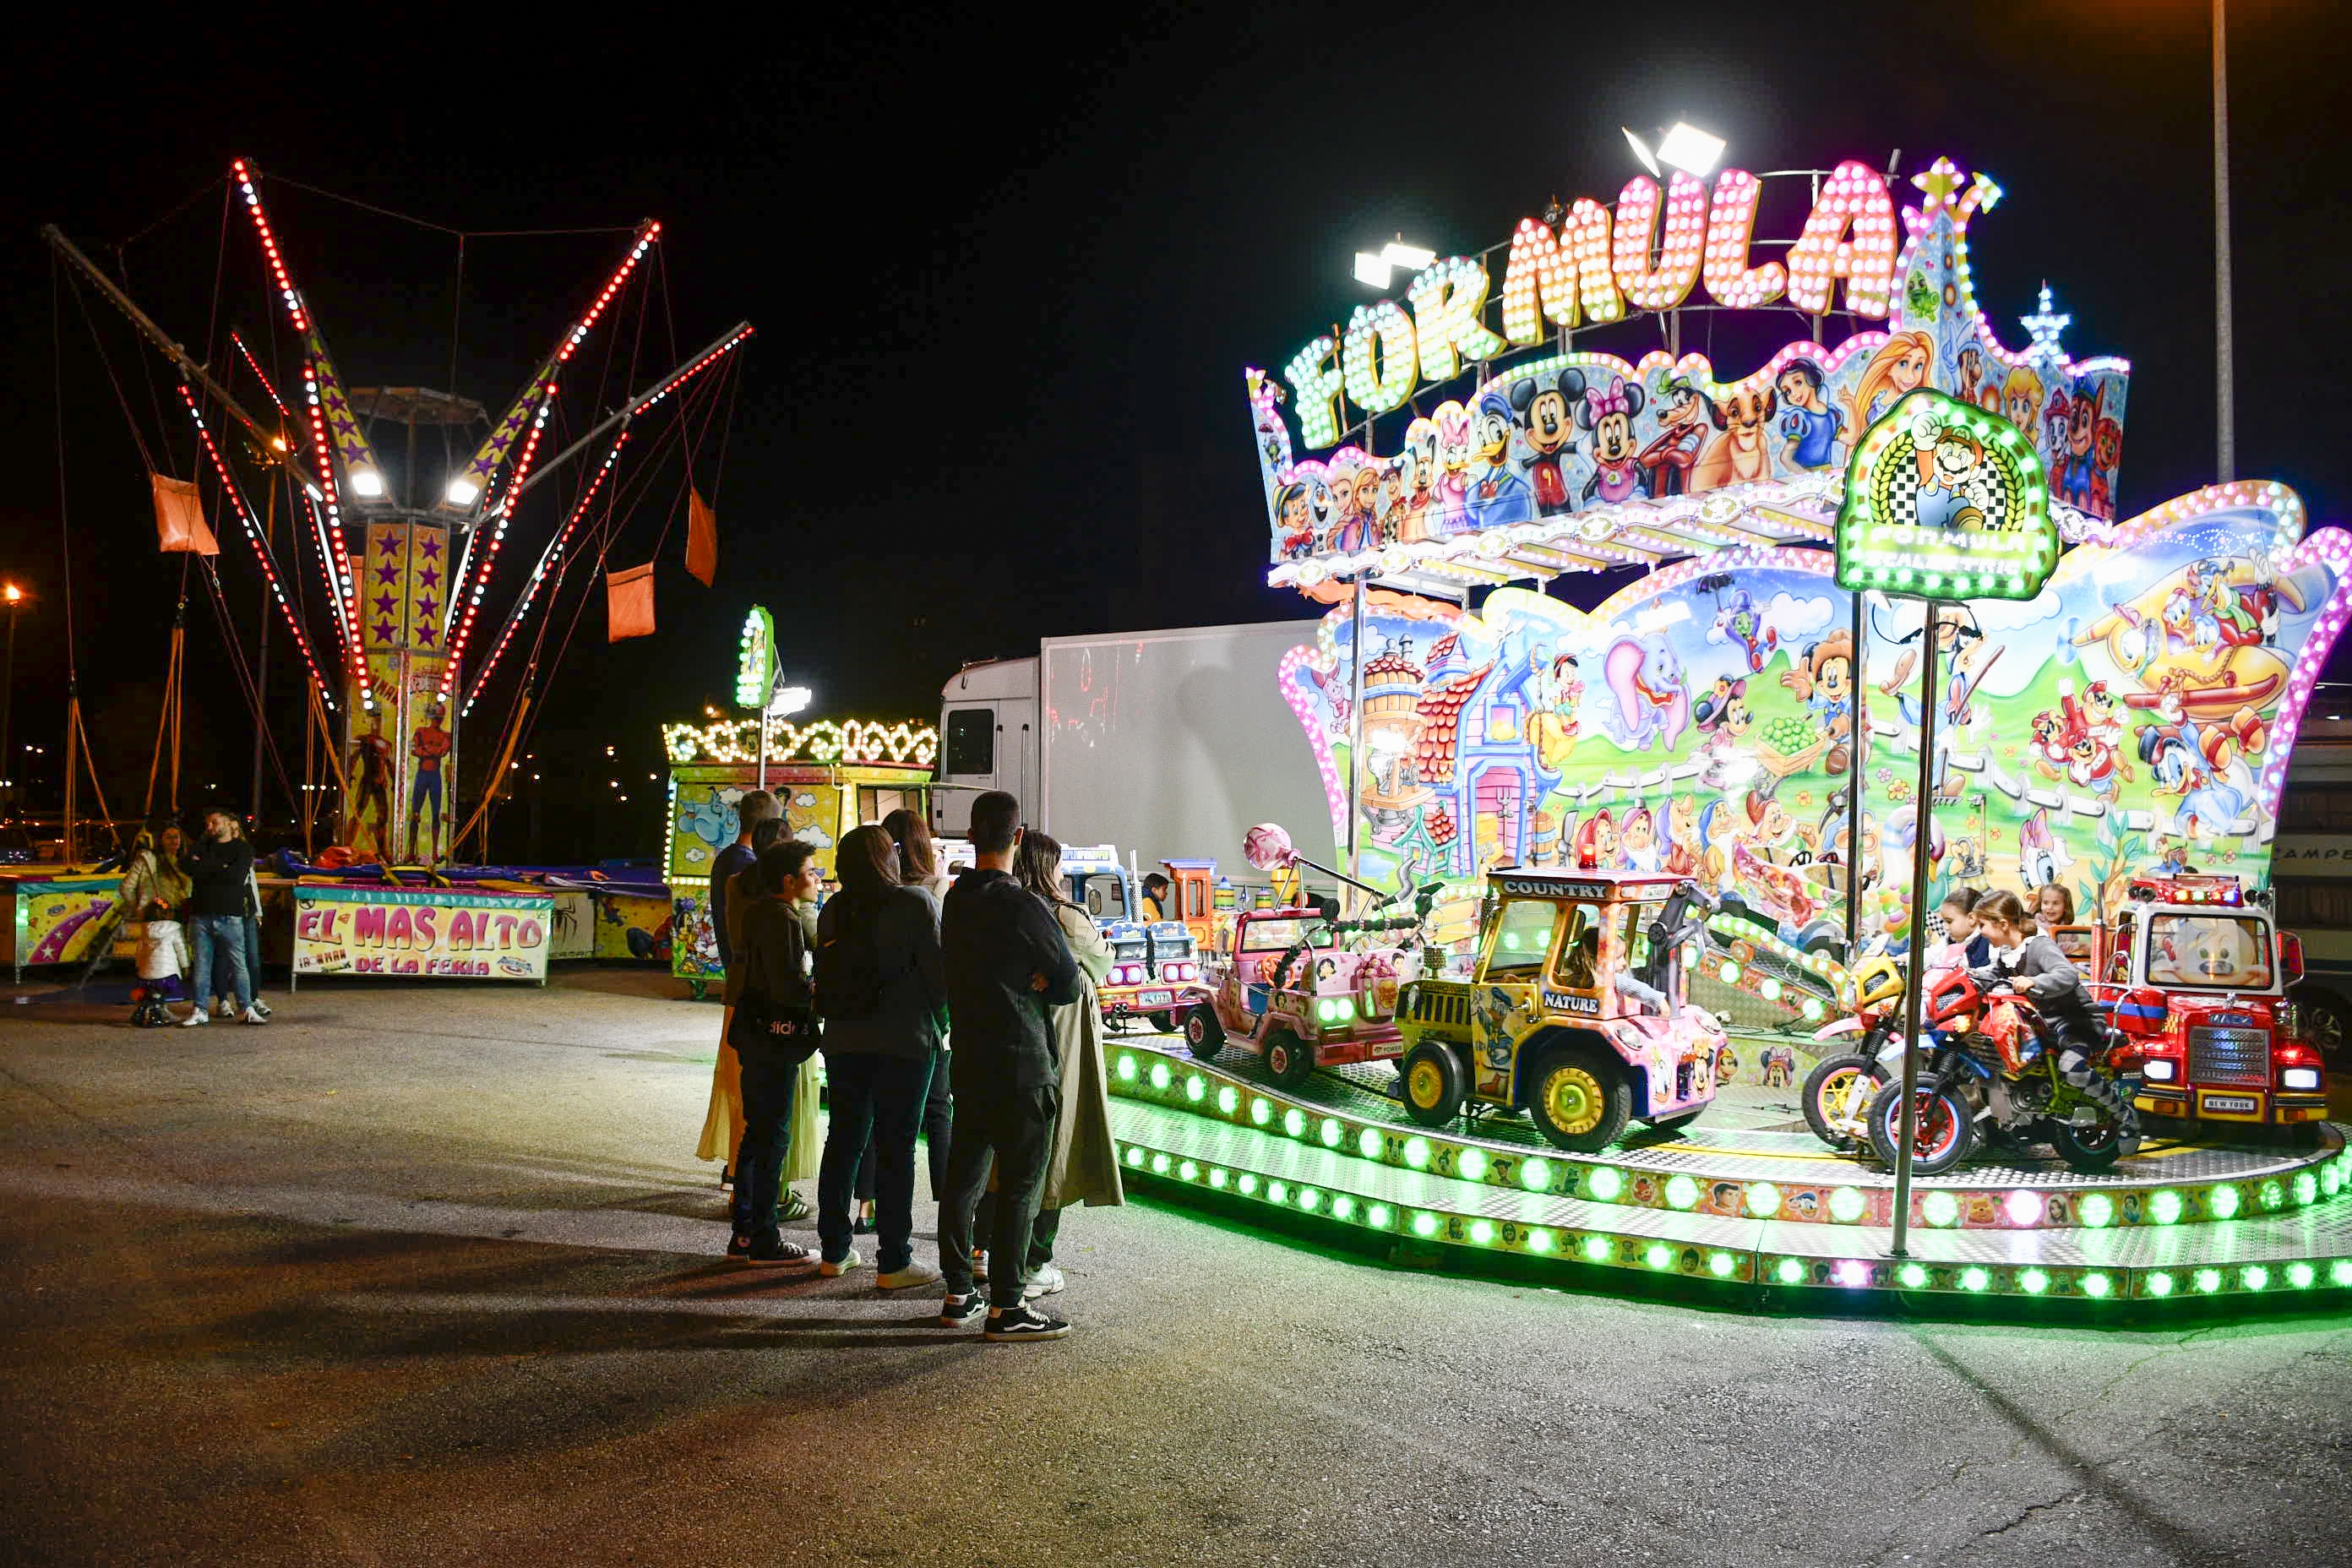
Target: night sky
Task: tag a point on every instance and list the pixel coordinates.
(1006, 276)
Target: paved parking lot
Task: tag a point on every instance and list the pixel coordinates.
(427, 1275)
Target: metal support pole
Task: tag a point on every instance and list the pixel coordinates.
(2225, 355)
(9, 709)
(1356, 743)
(1853, 795)
(1924, 831)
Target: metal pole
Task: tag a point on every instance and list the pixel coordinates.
(1356, 743)
(9, 709)
(1854, 797)
(2225, 373)
(1923, 826)
(261, 666)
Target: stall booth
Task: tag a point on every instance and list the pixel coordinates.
(830, 775)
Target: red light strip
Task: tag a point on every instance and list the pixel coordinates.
(319, 536)
(339, 564)
(260, 545)
(456, 641)
(612, 286)
(255, 366)
(689, 373)
(547, 561)
(294, 305)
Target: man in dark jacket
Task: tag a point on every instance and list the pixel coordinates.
(1007, 966)
(219, 867)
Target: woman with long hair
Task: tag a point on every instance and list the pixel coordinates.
(806, 1140)
(918, 866)
(770, 949)
(882, 987)
(1084, 1166)
(155, 891)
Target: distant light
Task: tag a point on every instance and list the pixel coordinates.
(1640, 149)
(1691, 149)
(462, 491)
(16, 595)
(1372, 269)
(1397, 253)
(278, 442)
(366, 482)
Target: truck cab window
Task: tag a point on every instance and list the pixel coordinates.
(1522, 937)
(971, 742)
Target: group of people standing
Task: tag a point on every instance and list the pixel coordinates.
(196, 912)
(1016, 1116)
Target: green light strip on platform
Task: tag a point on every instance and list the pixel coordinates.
(1154, 1077)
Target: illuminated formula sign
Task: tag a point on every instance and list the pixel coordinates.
(1595, 268)
(1945, 501)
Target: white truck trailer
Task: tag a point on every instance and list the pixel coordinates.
(1168, 743)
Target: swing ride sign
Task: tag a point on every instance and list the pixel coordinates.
(1945, 501)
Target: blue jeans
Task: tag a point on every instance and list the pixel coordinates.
(881, 1096)
(218, 942)
(253, 952)
(768, 1082)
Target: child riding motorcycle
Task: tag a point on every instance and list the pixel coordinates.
(2031, 964)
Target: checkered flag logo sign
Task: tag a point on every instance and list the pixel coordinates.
(1946, 500)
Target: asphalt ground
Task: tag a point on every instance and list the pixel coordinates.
(427, 1273)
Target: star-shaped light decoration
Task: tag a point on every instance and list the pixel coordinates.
(2046, 325)
(1939, 179)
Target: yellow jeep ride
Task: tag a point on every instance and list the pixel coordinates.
(1575, 1009)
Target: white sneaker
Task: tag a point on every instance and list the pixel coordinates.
(255, 1016)
(261, 1006)
(830, 1270)
(198, 1016)
(225, 1007)
(911, 1276)
(1047, 1281)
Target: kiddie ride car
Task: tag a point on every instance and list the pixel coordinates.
(2195, 977)
(1155, 969)
(1575, 1012)
(1293, 991)
(1997, 1066)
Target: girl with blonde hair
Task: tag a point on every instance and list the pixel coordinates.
(1900, 365)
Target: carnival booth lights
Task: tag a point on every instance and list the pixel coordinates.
(830, 775)
(1767, 713)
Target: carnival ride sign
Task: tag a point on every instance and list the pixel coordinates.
(755, 660)
(441, 932)
(1945, 501)
(1581, 460)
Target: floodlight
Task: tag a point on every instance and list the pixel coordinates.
(789, 699)
(1372, 269)
(1640, 149)
(462, 490)
(1691, 149)
(1397, 253)
(366, 482)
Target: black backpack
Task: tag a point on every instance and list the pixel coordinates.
(849, 976)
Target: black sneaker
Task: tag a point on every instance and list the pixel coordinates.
(1025, 1323)
(739, 1248)
(957, 1311)
(778, 1255)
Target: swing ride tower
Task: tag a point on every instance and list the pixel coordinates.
(407, 498)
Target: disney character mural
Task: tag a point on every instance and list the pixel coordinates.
(2131, 717)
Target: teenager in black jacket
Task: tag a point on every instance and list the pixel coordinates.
(218, 869)
(1007, 968)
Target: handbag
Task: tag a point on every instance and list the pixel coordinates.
(788, 1029)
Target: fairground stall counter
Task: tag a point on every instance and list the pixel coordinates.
(420, 926)
(613, 911)
(2103, 704)
(829, 775)
(56, 914)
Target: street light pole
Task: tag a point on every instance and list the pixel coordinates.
(14, 597)
(2224, 346)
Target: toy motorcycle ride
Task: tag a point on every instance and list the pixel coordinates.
(2004, 1074)
(1838, 1091)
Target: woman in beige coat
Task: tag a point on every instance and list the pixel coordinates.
(1084, 1164)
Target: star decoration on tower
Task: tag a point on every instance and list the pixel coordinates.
(387, 574)
(1939, 179)
(385, 603)
(428, 576)
(2046, 325)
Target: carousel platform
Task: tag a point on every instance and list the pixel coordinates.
(1745, 1196)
